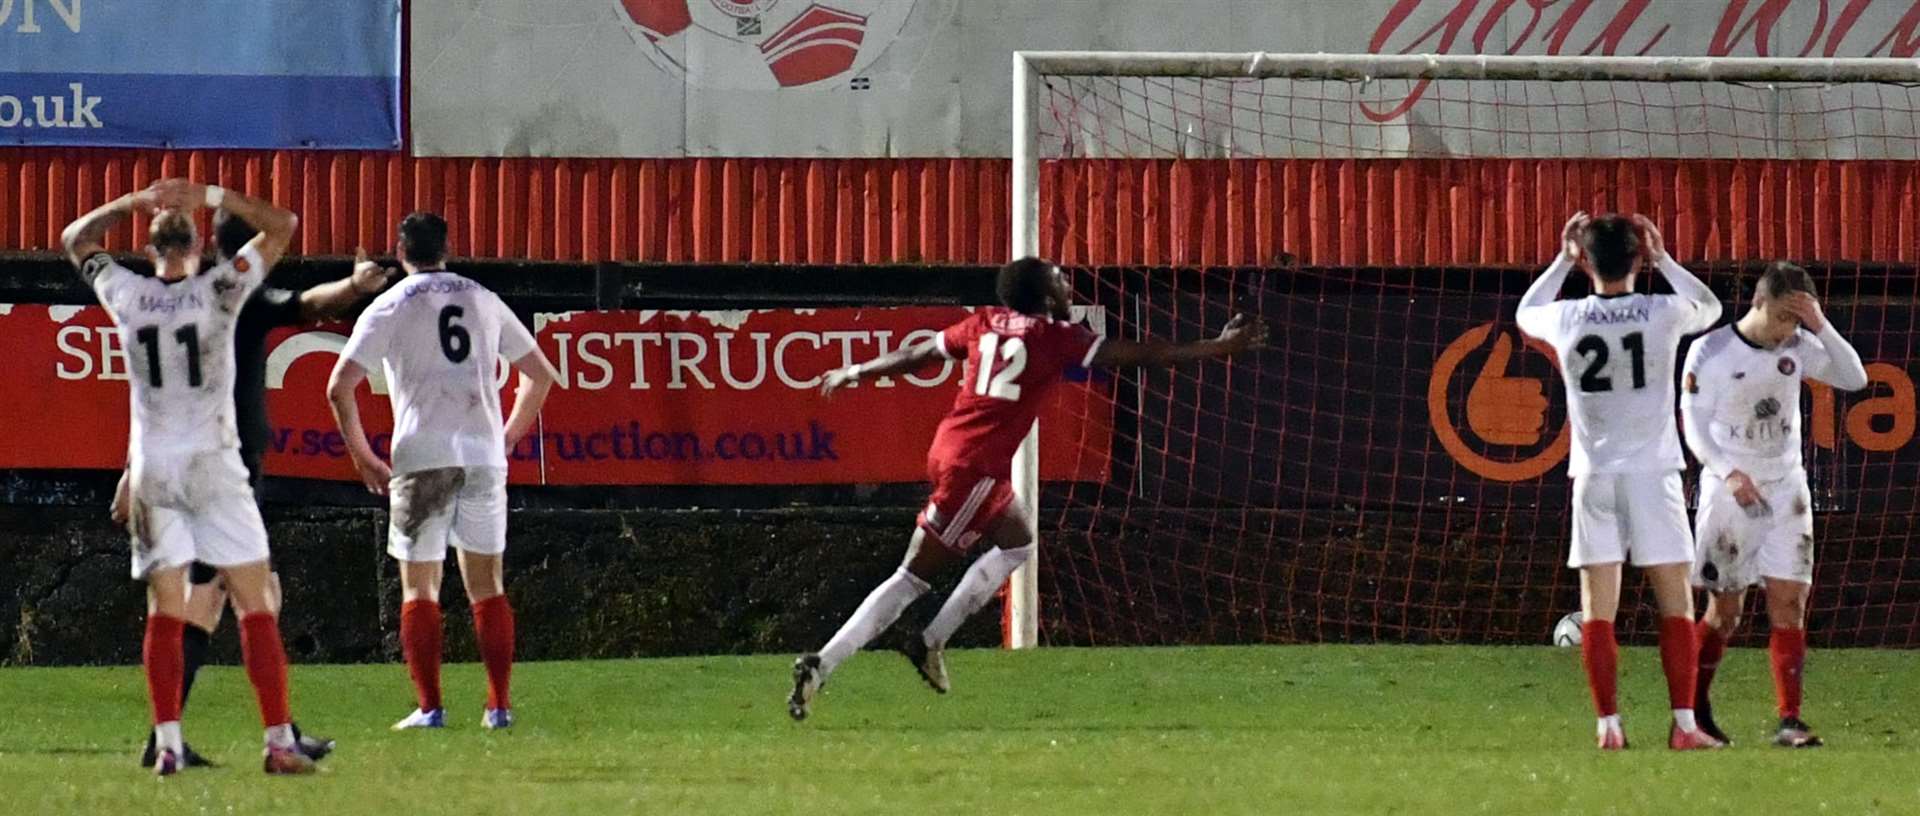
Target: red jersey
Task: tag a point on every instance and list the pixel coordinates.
(1013, 362)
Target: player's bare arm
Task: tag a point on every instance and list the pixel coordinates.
(1844, 369)
(87, 234)
(332, 300)
(347, 376)
(276, 225)
(1241, 333)
(537, 377)
(904, 360)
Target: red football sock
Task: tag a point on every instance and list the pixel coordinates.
(420, 640)
(1680, 659)
(1713, 647)
(493, 622)
(165, 660)
(266, 666)
(1601, 654)
(1789, 649)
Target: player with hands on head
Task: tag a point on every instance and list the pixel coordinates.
(1616, 349)
(1740, 407)
(1015, 354)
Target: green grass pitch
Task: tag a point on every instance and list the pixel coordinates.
(1316, 729)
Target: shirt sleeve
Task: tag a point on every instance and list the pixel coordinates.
(1079, 344)
(101, 273)
(957, 341)
(1539, 312)
(515, 341)
(276, 306)
(1699, 306)
(1699, 399)
(1832, 360)
(368, 345)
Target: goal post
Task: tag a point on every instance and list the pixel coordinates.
(1279, 178)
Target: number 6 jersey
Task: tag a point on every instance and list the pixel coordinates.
(179, 342)
(441, 338)
(1013, 362)
(1616, 355)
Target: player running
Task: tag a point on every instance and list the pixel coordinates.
(1014, 357)
(270, 307)
(440, 338)
(1616, 350)
(189, 495)
(1740, 409)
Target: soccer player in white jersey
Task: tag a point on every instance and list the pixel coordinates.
(189, 493)
(1740, 405)
(1616, 350)
(440, 338)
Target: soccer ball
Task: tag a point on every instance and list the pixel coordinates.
(759, 45)
(1567, 631)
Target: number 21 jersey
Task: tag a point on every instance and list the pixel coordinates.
(441, 338)
(1616, 355)
(1013, 362)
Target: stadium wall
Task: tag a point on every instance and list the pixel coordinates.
(951, 210)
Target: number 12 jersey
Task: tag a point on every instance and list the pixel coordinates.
(441, 338)
(1013, 361)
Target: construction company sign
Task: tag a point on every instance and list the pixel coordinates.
(864, 78)
(645, 398)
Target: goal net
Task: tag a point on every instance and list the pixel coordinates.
(1393, 467)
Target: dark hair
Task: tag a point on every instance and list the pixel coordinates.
(172, 231)
(1612, 244)
(231, 233)
(423, 238)
(1024, 285)
(1783, 277)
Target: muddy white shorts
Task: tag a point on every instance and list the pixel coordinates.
(1633, 517)
(1741, 546)
(464, 507)
(197, 507)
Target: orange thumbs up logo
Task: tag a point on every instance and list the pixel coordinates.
(1502, 410)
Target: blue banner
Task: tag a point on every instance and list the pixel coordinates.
(205, 73)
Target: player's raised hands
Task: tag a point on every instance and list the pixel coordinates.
(1804, 307)
(1571, 233)
(1652, 244)
(1243, 332)
(177, 194)
(369, 277)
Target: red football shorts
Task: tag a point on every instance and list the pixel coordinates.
(965, 504)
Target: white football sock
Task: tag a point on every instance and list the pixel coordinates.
(1611, 722)
(881, 608)
(280, 736)
(1683, 717)
(166, 737)
(984, 578)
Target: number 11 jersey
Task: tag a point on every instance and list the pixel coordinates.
(440, 338)
(1616, 355)
(1013, 361)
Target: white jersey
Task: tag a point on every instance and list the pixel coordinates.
(441, 338)
(1617, 356)
(1741, 401)
(179, 342)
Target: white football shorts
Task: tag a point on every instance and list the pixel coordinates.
(1741, 546)
(1636, 517)
(464, 507)
(197, 507)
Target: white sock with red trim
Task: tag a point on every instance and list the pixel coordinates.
(984, 578)
(881, 608)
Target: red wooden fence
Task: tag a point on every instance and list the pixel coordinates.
(819, 211)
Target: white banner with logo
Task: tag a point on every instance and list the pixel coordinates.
(882, 78)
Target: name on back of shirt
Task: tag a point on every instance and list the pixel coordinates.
(170, 303)
(440, 287)
(1637, 313)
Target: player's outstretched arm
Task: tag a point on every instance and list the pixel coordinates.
(1241, 333)
(904, 360)
(87, 234)
(347, 376)
(1684, 282)
(537, 377)
(1842, 367)
(334, 299)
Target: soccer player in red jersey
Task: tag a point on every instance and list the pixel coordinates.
(1014, 356)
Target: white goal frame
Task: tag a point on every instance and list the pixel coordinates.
(1023, 627)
